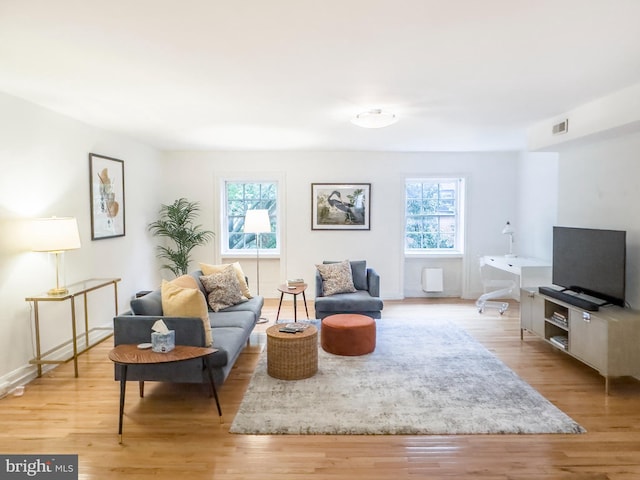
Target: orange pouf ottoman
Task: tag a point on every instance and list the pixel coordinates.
(348, 334)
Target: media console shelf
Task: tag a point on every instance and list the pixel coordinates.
(607, 340)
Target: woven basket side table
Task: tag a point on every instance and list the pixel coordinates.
(292, 356)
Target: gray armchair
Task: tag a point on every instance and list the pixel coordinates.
(365, 300)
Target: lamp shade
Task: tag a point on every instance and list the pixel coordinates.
(257, 221)
(508, 229)
(55, 234)
(374, 119)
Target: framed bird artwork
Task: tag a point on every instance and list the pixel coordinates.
(340, 206)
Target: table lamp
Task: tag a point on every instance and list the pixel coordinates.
(257, 221)
(55, 235)
(508, 230)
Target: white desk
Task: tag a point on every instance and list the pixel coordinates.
(532, 272)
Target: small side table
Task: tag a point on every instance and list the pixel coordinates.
(295, 291)
(126, 355)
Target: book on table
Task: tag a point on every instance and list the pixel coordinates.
(296, 282)
(294, 327)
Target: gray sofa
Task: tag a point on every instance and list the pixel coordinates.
(365, 300)
(231, 328)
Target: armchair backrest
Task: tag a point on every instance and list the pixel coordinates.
(364, 278)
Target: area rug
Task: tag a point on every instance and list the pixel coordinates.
(424, 378)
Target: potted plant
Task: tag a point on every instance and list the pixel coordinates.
(176, 222)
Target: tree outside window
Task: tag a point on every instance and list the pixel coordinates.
(243, 196)
(433, 215)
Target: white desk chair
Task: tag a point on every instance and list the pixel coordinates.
(493, 288)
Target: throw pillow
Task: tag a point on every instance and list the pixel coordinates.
(336, 278)
(223, 289)
(185, 281)
(209, 269)
(178, 301)
(359, 273)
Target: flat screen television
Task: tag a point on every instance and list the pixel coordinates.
(590, 261)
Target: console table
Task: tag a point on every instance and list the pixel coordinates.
(75, 290)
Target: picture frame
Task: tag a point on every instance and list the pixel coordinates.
(340, 206)
(106, 184)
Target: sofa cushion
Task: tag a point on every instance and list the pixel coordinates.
(210, 269)
(359, 301)
(150, 304)
(238, 319)
(223, 289)
(336, 278)
(180, 301)
(254, 306)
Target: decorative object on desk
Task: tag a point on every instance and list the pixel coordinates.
(107, 197)
(176, 223)
(163, 340)
(257, 222)
(340, 206)
(445, 384)
(508, 230)
(56, 235)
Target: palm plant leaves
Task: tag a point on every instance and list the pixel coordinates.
(176, 223)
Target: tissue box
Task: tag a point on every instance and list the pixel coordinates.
(163, 342)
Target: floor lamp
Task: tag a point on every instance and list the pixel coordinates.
(257, 222)
(55, 235)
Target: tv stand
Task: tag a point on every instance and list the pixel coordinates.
(572, 298)
(606, 340)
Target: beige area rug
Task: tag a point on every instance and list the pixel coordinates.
(424, 378)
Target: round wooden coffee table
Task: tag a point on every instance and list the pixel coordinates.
(292, 356)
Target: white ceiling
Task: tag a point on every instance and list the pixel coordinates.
(289, 74)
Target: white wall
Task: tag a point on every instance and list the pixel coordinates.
(598, 170)
(491, 192)
(45, 172)
(599, 188)
(605, 117)
(537, 204)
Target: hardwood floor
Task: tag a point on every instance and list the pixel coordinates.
(174, 432)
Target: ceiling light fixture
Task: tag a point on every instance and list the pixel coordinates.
(376, 118)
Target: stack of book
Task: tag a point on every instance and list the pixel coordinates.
(295, 282)
(559, 319)
(560, 341)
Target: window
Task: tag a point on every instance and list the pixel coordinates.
(239, 197)
(433, 215)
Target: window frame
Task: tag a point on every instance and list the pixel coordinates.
(459, 242)
(225, 252)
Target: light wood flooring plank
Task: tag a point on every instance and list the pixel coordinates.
(174, 432)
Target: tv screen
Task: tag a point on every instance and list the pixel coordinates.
(590, 261)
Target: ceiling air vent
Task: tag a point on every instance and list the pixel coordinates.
(561, 127)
